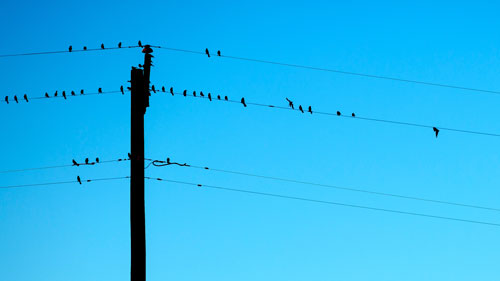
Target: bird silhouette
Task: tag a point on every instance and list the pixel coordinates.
(121, 90)
(64, 94)
(184, 93)
(81, 92)
(172, 90)
(310, 110)
(194, 93)
(102, 46)
(436, 130)
(300, 108)
(209, 97)
(153, 88)
(47, 95)
(7, 99)
(218, 97)
(290, 103)
(218, 53)
(243, 102)
(78, 179)
(119, 44)
(163, 89)
(75, 163)
(85, 48)
(73, 93)
(15, 98)
(353, 115)
(207, 52)
(225, 98)
(99, 90)
(201, 94)
(55, 94)
(97, 160)
(70, 48)
(139, 43)
(25, 97)
(168, 161)
(338, 113)
(86, 161)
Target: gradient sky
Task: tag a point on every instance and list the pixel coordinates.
(73, 232)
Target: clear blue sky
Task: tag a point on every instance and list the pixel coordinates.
(72, 232)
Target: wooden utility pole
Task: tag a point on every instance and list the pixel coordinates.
(138, 104)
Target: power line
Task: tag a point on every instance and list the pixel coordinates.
(63, 182)
(352, 116)
(67, 51)
(327, 202)
(61, 166)
(335, 71)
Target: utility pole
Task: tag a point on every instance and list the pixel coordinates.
(138, 103)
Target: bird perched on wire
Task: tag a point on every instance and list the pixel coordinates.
(81, 92)
(153, 88)
(64, 94)
(218, 97)
(55, 94)
(25, 97)
(163, 89)
(290, 103)
(218, 53)
(99, 90)
(184, 93)
(15, 98)
(300, 108)
(121, 90)
(338, 113)
(102, 46)
(353, 115)
(73, 93)
(243, 102)
(7, 99)
(436, 131)
(97, 160)
(172, 90)
(85, 48)
(75, 163)
(209, 97)
(86, 161)
(310, 110)
(225, 98)
(119, 44)
(201, 94)
(207, 52)
(194, 93)
(70, 48)
(47, 95)
(139, 43)
(78, 179)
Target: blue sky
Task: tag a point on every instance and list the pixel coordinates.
(72, 232)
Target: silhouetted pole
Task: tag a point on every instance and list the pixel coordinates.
(138, 103)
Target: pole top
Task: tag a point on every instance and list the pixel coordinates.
(147, 49)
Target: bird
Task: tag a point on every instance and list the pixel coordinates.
(85, 48)
(353, 115)
(55, 94)
(99, 90)
(153, 88)
(121, 90)
(86, 161)
(207, 52)
(102, 46)
(163, 89)
(201, 94)
(338, 113)
(310, 110)
(70, 48)
(78, 179)
(218, 53)
(194, 93)
(218, 97)
(209, 97)
(436, 130)
(97, 160)
(7, 99)
(290, 103)
(172, 90)
(64, 94)
(243, 102)
(184, 93)
(119, 44)
(225, 98)
(75, 163)
(139, 43)
(168, 160)
(15, 98)
(300, 108)
(47, 95)
(25, 97)
(73, 93)
(81, 92)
